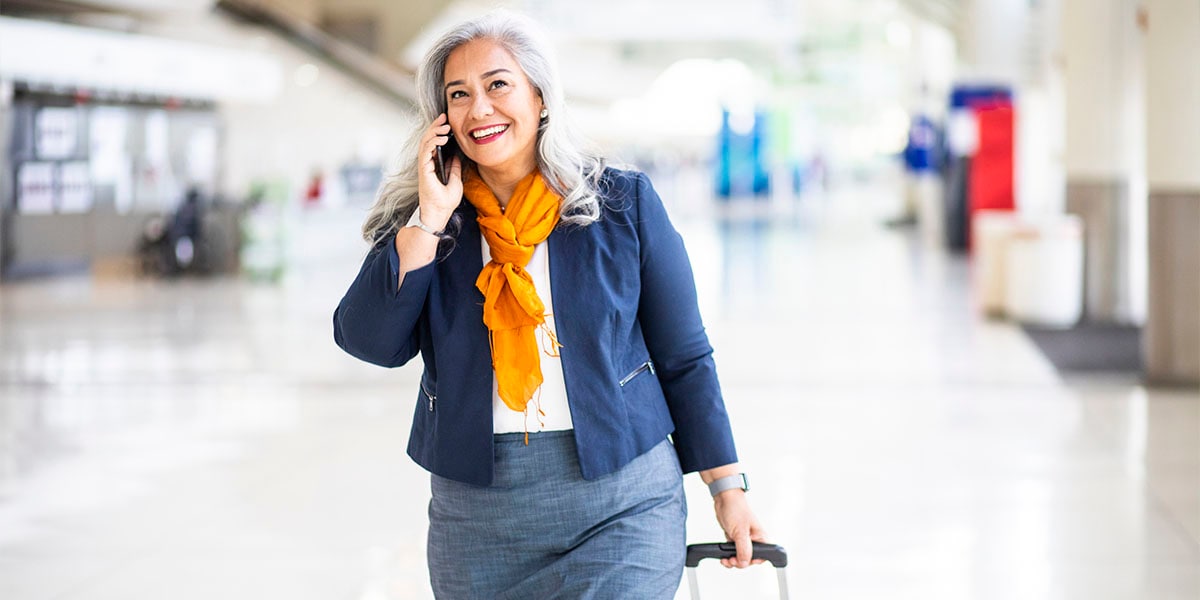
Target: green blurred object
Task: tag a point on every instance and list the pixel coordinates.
(265, 231)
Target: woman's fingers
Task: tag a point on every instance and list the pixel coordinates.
(436, 134)
(740, 526)
(438, 200)
(745, 551)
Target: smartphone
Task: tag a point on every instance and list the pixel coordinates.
(442, 158)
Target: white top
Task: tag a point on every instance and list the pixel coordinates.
(552, 396)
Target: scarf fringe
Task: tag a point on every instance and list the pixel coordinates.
(552, 339)
(537, 400)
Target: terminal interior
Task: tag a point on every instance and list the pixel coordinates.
(946, 251)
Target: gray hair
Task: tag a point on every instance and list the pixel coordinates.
(570, 169)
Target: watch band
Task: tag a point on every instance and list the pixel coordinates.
(729, 482)
(415, 221)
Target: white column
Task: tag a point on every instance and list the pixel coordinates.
(1172, 334)
(1104, 152)
(1173, 94)
(7, 201)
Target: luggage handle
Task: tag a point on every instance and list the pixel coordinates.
(771, 553)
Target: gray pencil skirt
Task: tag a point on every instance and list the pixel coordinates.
(542, 531)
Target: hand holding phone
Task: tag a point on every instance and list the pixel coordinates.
(439, 184)
(443, 157)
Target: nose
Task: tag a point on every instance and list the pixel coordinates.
(481, 106)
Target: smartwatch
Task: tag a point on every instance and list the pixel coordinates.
(730, 482)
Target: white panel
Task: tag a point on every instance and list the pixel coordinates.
(1102, 73)
(35, 188)
(56, 133)
(62, 55)
(1173, 94)
(75, 188)
(157, 6)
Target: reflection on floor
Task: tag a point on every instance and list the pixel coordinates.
(206, 439)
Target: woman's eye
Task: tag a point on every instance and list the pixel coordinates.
(499, 83)
(457, 94)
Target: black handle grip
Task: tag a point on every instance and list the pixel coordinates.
(771, 553)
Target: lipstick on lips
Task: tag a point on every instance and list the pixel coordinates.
(487, 134)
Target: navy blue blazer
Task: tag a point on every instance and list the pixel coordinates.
(636, 360)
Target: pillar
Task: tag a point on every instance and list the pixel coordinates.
(1103, 81)
(7, 199)
(1172, 335)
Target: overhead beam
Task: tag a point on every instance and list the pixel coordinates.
(392, 81)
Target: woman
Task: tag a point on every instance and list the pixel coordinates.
(560, 336)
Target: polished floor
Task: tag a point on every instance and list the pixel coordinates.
(205, 439)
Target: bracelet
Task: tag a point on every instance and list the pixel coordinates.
(415, 221)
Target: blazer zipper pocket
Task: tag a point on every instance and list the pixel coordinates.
(646, 366)
(431, 397)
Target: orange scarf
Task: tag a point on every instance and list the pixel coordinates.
(512, 309)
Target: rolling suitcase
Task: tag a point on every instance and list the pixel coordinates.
(771, 553)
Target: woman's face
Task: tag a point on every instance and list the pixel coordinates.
(493, 109)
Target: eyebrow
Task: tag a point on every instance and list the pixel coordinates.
(485, 76)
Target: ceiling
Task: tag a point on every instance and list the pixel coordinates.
(835, 55)
(641, 30)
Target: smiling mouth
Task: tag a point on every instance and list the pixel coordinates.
(487, 134)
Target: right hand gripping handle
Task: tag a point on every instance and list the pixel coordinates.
(771, 553)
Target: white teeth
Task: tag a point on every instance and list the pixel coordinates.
(481, 133)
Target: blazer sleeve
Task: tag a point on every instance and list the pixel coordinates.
(674, 334)
(375, 321)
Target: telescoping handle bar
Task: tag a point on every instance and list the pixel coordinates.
(771, 553)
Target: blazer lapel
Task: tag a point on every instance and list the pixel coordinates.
(464, 302)
(567, 281)
(463, 320)
(469, 246)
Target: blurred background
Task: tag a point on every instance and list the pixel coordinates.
(948, 253)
